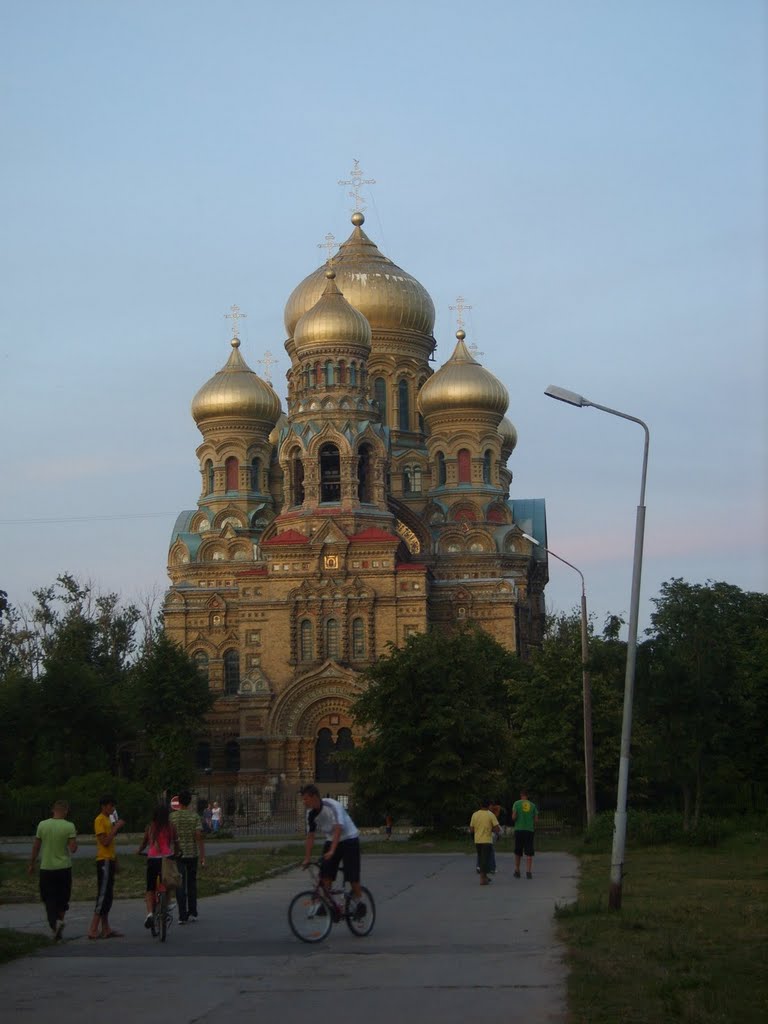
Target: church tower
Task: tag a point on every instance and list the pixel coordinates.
(375, 507)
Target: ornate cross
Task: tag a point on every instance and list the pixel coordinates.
(474, 350)
(234, 316)
(268, 361)
(460, 306)
(356, 180)
(329, 244)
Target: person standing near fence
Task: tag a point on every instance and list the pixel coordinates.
(190, 831)
(524, 816)
(57, 838)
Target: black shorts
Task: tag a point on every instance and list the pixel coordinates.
(348, 855)
(56, 887)
(154, 871)
(523, 843)
(484, 855)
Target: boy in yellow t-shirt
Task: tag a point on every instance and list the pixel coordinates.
(483, 824)
(105, 831)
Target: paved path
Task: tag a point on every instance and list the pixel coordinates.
(444, 948)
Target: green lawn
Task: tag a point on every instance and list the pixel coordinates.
(689, 943)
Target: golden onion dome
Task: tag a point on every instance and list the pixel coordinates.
(331, 321)
(462, 384)
(388, 297)
(236, 391)
(508, 433)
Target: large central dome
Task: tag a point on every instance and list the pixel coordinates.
(388, 297)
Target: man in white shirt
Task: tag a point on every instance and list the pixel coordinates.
(342, 840)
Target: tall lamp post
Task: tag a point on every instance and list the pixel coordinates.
(586, 687)
(620, 819)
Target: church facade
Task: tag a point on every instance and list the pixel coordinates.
(376, 506)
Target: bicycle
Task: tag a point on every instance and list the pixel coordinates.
(312, 913)
(162, 918)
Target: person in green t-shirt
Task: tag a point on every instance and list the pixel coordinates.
(57, 838)
(524, 815)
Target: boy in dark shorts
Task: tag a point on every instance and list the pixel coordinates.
(524, 815)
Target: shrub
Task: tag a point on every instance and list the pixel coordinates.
(654, 828)
(23, 807)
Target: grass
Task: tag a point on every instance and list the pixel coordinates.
(688, 944)
(222, 873)
(14, 944)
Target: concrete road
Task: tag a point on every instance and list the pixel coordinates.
(444, 948)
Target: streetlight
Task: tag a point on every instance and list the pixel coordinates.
(586, 688)
(620, 819)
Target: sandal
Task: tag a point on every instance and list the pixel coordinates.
(113, 935)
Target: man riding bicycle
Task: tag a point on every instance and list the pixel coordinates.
(342, 842)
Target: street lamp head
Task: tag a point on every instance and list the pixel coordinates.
(532, 540)
(566, 396)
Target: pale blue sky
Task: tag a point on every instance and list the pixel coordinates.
(589, 175)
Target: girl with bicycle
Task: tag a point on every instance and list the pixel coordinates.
(161, 841)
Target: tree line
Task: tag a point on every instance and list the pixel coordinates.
(91, 685)
(88, 686)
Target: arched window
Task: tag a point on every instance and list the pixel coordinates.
(232, 756)
(344, 742)
(416, 479)
(353, 373)
(330, 474)
(201, 661)
(231, 672)
(328, 373)
(404, 412)
(380, 397)
(230, 467)
(325, 770)
(209, 477)
(255, 474)
(318, 375)
(332, 639)
(358, 639)
(297, 477)
(307, 376)
(487, 466)
(465, 466)
(364, 473)
(203, 756)
(406, 480)
(306, 641)
(440, 469)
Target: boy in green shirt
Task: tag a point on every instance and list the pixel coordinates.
(524, 815)
(57, 838)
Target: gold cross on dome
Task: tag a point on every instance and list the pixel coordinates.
(356, 179)
(460, 306)
(234, 316)
(267, 362)
(329, 244)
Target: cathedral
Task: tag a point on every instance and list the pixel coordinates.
(376, 506)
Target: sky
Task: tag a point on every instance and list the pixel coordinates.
(589, 176)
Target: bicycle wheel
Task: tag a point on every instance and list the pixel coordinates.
(309, 917)
(360, 915)
(163, 915)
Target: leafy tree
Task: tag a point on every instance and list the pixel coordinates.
(547, 713)
(437, 715)
(703, 684)
(166, 700)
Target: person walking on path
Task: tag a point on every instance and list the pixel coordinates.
(524, 816)
(190, 831)
(482, 826)
(57, 838)
(216, 816)
(106, 864)
(388, 821)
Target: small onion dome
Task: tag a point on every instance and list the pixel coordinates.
(463, 385)
(388, 297)
(274, 434)
(508, 433)
(236, 391)
(331, 321)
